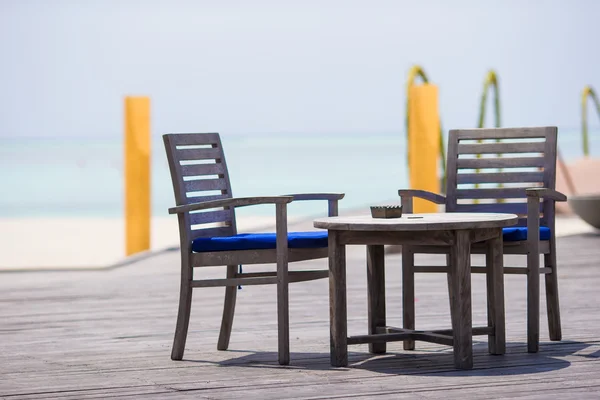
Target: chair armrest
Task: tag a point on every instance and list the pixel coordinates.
(545, 193)
(317, 196)
(231, 202)
(332, 200)
(422, 194)
(407, 195)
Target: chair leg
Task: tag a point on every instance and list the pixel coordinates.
(552, 303)
(408, 293)
(533, 302)
(451, 296)
(183, 315)
(228, 310)
(283, 309)
(283, 319)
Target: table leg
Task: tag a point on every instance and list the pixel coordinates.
(408, 293)
(376, 293)
(337, 301)
(462, 329)
(495, 294)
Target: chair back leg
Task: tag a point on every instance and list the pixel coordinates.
(228, 310)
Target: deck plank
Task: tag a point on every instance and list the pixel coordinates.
(98, 334)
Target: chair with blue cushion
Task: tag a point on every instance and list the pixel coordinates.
(499, 170)
(208, 236)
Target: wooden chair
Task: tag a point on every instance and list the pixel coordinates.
(519, 181)
(197, 165)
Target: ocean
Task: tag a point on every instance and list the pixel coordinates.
(83, 177)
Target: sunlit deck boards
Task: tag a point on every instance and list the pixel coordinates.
(98, 334)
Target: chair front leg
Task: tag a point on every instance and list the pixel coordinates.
(185, 305)
(283, 318)
(533, 274)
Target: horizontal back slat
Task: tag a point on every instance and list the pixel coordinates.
(205, 184)
(491, 193)
(210, 217)
(501, 148)
(500, 177)
(512, 162)
(510, 208)
(194, 139)
(212, 232)
(200, 199)
(500, 133)
(202, 169)
(212, 153)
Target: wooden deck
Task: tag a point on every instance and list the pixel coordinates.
(100, 334)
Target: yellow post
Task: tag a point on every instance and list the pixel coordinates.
(423, 142)
(137, 174)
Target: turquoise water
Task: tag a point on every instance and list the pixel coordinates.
(84, 177)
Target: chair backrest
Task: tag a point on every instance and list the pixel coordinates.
(488, 170)
(199, 173)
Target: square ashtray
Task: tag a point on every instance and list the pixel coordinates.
(386, 211)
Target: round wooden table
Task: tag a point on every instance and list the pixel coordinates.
(455, 230)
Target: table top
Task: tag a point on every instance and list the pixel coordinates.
(418, 222)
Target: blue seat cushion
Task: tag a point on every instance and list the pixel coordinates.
(516, 234)
(259, 241)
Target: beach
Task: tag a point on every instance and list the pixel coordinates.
(93, 243)
(79, 224)
(86, 243)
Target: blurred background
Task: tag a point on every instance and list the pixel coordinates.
(307, 95)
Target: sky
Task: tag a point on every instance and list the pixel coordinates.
(289, 67)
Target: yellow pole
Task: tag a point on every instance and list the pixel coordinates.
(423, 142)
(137, 174)
(413, 73)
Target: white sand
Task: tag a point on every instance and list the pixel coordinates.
(83, 243)
(43, 243)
